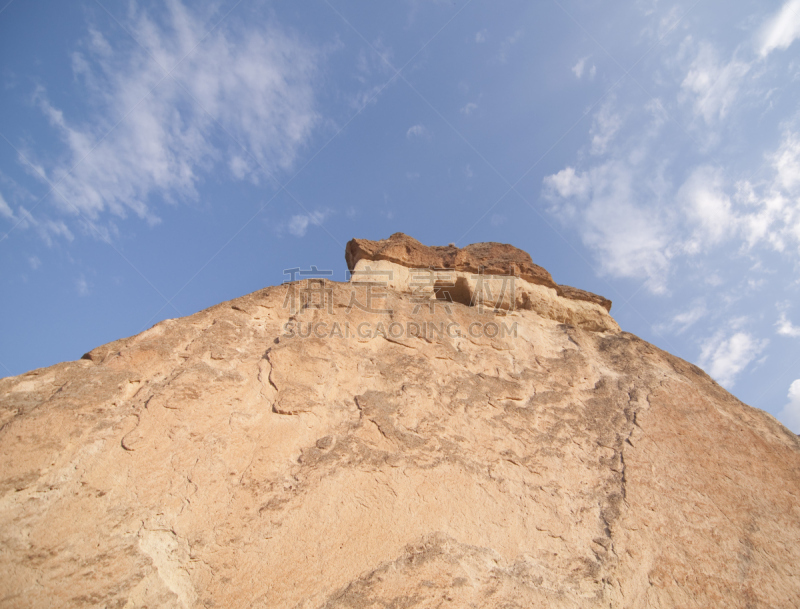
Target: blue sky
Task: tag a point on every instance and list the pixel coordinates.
(157, 158)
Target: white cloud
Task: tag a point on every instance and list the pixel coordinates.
(669, 20)
(684, 320)
(629, 239)
(786, 328)
(713, 86)
(298, 225)
(82, 286)
(239, 167)
(605, 125)
(505, 47)
(707, 209)
(786, 162)
(620, 215)
(780, 30)
(725, 357)
(34, 262)
(47, 228)
(567, 183)
(480, 37)
(469, 108)
(5, 210)
(416, 131)
(579, 68)
(790, 415)
(497, 219)
(374, 72)
(375, 60)
(468, 172)
(647, 206)
(638, 223)
(771, 211)
(255, 81)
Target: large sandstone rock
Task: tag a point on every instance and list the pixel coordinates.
(488, 258)
(501, 292)
(353, 445)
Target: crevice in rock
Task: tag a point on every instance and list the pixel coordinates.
(454, 292)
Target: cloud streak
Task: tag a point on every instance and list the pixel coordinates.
(726, 357)
(713, 85)
(298, 225)
(780, 30)
(152, 134)
(416, 131)
(786, 328)
(629, 239)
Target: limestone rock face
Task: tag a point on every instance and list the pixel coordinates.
(322, 444)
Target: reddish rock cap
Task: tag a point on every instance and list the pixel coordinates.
(489, 258)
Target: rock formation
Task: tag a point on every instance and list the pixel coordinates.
(487, 258)
(393, 442)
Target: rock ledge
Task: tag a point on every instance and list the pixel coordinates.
(489, 258)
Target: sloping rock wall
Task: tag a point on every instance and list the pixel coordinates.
(337, 446)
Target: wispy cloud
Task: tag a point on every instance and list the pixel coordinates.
(373, 71)
(780, 30)
(642, 210)
(5, 210)
(469, 108)
(298, 225)
(629, 239)
(711, 84)
(714, 84)
(707, 209)
(48, 229)
(507, 44)
(790, 415)
(684, 320)
(786, 328)
(725, 357)
(770, 210)
(580, 67)
(251, 84)
(605, 124)
(82, 286)
(567, 184)
(416, 131)
(786, 163)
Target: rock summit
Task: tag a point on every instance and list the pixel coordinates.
(451, 428)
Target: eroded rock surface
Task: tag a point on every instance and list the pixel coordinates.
(436, 456)
(487, 258)
(501, 292)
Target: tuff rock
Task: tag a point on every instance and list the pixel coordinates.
(323, 444)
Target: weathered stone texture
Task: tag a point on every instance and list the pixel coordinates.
(220, 460)
(488, 258)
